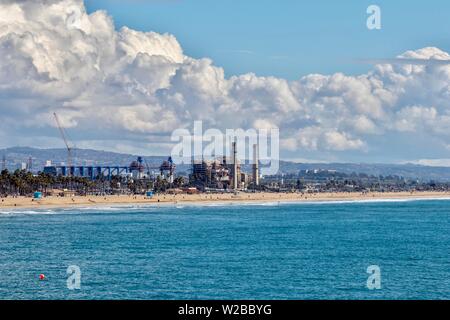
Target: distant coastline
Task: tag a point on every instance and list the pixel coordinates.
(199, 199)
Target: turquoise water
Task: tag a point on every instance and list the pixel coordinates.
(271, 251)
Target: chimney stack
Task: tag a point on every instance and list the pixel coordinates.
(235, 166)
(255, 165)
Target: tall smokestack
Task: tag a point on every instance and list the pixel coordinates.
(235, 166)
(255, 165)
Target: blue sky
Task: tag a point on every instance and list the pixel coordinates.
(288, 38)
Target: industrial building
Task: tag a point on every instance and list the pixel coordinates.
(214, 174)
(224, 174)
(137, 170)
(219, 174)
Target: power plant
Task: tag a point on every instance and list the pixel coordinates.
(223, 173)
(214, 174)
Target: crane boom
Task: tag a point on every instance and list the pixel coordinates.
(66, 141)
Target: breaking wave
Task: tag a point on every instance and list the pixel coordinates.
(162, 207)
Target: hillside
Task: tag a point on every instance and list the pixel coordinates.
(17, 155)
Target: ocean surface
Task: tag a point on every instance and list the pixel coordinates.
(232, 251)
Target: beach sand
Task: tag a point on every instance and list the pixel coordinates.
(28, 202)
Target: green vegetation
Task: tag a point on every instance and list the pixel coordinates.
(24, 183)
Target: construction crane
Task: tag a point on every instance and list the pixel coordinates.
(66, 141)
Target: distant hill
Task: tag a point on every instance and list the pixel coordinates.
(17, 155)
(411, 171)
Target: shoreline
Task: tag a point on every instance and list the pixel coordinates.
(219, 199)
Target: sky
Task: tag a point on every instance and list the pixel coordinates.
(124, 75)
(287, 38)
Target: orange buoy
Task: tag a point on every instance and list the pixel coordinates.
(42, 277)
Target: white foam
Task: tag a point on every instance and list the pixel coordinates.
(156, 206)
(27, 212)
(356, 201)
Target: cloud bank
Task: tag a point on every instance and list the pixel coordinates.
(127, 90)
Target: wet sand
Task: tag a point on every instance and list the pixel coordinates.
(28, 202)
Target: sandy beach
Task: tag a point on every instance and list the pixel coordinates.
(28, 202)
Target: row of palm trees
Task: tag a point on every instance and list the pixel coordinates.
(24, 183)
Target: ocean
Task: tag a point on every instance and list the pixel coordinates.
(228, 251)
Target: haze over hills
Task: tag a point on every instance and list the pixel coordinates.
(17, 156)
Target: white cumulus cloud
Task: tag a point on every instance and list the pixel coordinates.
(116, 87)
